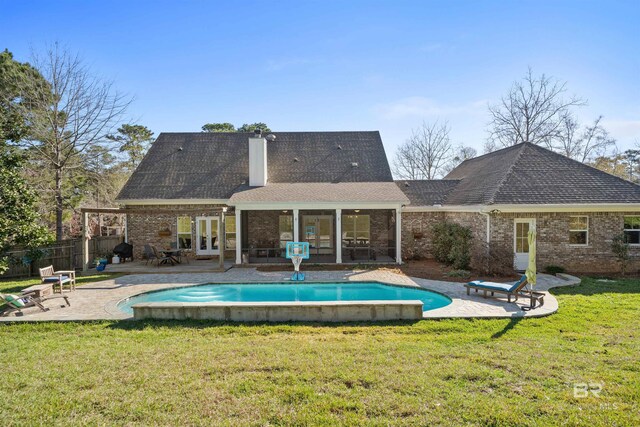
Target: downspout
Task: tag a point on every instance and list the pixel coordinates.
(488, 216)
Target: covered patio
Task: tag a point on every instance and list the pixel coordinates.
(342, 222)
(144, 266)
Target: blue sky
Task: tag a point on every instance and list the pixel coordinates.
(343, 65)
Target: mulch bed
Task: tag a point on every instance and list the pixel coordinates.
(424, 269)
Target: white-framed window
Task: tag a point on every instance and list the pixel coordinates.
(578, 230)
(184, 232)
(356, 230)
(632, 229)
(230, 232)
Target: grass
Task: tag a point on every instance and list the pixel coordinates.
(469, 372)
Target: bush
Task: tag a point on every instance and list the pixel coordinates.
(462, 274)
(620, 248)
(452, 244)
(492, 260)
(554, 269)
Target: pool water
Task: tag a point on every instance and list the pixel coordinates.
(290, 292)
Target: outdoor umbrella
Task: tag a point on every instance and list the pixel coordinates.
(531, 268)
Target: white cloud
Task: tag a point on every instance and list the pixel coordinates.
(418, 106)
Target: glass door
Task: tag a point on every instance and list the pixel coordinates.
(207, 231)
(521, 242)
(318, 231)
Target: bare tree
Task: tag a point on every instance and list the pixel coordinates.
(77, 113)
(533, 111)
(462, 153)
(425, 153)
(583, 144)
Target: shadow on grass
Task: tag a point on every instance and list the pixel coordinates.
(138, 325)
(591, 286)
(509, 326)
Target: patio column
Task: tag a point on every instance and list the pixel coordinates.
(338, 236)
(398, 236)
(296, 228)
(238, 237)
(85, 241)
(222, 245)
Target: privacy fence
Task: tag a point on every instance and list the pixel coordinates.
(63, 255)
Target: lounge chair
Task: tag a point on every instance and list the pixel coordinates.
(500, 288)
(18, 303)
(60, 278)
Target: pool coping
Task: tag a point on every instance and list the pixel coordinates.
(397, 285)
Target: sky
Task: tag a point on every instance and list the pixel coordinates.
(342, 65)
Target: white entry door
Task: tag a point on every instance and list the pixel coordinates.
(521, 241)
(207, 232)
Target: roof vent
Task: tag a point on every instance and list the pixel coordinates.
(271, 137)
(354, 164)
(406, 184)
(339, 147)
(257, 133)
(180, 148)
(295, 159)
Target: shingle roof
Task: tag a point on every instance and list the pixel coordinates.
(530, 174)
(215, 165)
(427, 193)
(380, 192)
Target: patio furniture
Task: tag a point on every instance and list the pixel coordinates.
(172, 254)
(18, 303)
(500, 288)
(39, 291)
(161, 259)
(179, 252)
(148, 254)
(60, 278)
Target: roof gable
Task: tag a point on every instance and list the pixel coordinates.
(214, 165)
(530, 174)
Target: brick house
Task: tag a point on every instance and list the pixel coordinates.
(335, 190)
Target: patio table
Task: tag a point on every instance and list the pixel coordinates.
(173, 254)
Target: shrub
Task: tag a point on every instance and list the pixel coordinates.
(492, 260)
(554, 269)
(463, 274)
(620, 248)
(452, 244)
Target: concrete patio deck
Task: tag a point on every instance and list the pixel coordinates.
(98, 301)
(142, 267)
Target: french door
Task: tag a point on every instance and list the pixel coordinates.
(521, 242)
(207, 232)
(318, 231)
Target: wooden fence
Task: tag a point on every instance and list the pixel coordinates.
(63, 255)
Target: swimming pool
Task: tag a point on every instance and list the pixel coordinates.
(289, 292)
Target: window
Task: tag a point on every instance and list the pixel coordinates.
(578, 230)
(355, 230)
(285, 230)
(632, 229)
(230, 232)
(184, 232)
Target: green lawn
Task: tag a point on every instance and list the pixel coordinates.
(476, 372)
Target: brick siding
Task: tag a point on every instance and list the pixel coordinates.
(553, 246)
